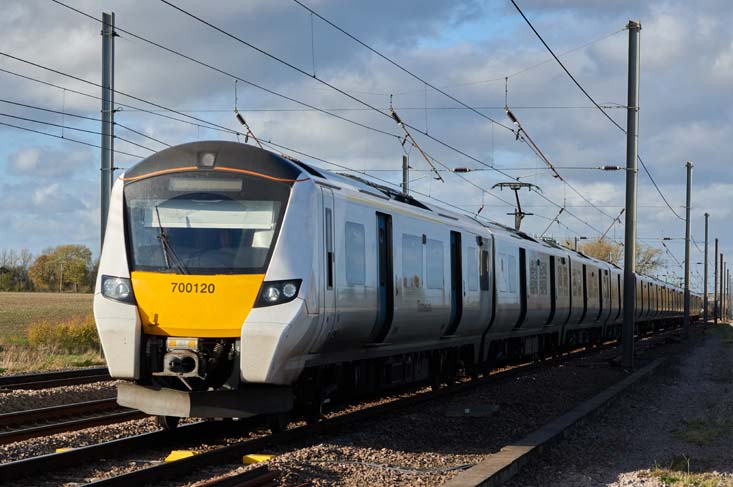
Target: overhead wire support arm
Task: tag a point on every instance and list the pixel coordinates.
(528, 140)
(554, 220)
(413, 141)
(516, 186)
(249, 132)
(615, 221)
(521, 134)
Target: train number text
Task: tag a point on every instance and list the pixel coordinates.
(195, 288)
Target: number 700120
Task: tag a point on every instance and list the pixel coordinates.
(193, 287)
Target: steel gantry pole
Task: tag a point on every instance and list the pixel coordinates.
(108, 97)
(686, 316)
(715, 283)
(723, 265)
(705, 274)
(632, 138)
(722, 297)
(727, 295)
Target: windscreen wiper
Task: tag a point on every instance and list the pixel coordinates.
(169, 254)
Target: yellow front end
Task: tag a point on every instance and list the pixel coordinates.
(206, 306)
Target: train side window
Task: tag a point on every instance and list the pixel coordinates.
(543, 282)
(512, 273)
(355, 254)
(484, 277)
(472, 262)
(435, 264)
(412, 261)
(534, 277)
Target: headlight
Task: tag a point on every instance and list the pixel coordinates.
(289, 290)
(117, 288)
(278, 292)
(271, 294)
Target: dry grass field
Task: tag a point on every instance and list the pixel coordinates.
(20, 310)
(43, 331)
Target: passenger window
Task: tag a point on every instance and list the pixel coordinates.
(355, 254)
(543, 277)
(503, 279)
(512, 263)
(472, 262)
(533, 277)
(434, 269)
(412, 261)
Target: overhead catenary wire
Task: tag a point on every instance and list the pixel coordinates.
(116, 151)
(210, 124)
(325, 83)
(587, 95)
(145, 135)
(59, 112)
(339, 90)
(158, 113)
(235, 77)
(396, 64)
(77, 129)
(226, 73)
(142, 134)
(391, 61)
(304, 73)
(273, 92)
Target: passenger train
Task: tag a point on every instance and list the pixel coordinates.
(234, 281)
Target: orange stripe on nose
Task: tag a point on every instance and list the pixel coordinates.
(215, 168)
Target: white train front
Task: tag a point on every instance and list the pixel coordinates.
(234, 281)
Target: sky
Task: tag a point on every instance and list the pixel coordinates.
(480, 53)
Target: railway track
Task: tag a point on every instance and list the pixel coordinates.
(211, 430)
(45, 380)
(21, 425)
(198, 432)
(258, 477)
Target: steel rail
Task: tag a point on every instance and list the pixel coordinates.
(45, 380)
(31, 423)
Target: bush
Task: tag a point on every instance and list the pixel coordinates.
(75, 335)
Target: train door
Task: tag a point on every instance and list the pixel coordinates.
(553, 292)
(585, 294)
(600, 294)
(328, 302)
(456, 283)
(385, 291)
(619, 296)
(522, 288)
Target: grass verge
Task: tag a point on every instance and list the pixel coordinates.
(48, 345)
(679, 474)
(20, 310)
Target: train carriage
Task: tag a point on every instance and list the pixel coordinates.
(234, 281)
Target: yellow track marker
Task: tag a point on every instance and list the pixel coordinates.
(61, 450)
(179, 455)
(255, 458)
